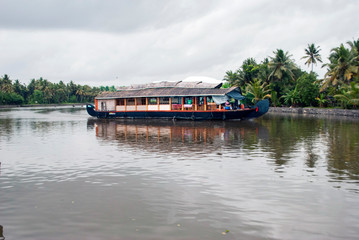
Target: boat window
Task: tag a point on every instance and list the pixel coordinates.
(141, 101)
(176, 100)
(200, 100)
(130, 101)
(188, 100)
(152, 101)
(164, 100)
(120, 102)
(210, 100)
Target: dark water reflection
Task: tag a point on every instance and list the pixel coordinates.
(336, 140)
(185, 137)
(66, 176)
(279, 136)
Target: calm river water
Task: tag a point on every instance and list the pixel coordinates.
(64, 175)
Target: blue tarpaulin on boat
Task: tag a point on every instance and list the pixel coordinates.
(236, 95)
(220, 99)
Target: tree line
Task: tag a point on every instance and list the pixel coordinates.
(276, 77)
(285, 84)
(41, 91)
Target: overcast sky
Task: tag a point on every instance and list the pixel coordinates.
(121, 42)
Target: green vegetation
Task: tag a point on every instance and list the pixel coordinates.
(41, 91)
(349, 95)
(256, 90)
(286, 84)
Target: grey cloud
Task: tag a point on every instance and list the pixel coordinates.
(121, 42)
(92, 15)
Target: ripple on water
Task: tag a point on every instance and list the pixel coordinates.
(271, 179)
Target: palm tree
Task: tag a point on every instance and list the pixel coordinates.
(354, 45)
(256, 91)
(6, 84)
(48, 93)
(232, 78)
(281, 64)
(354, 48)
(248, 71)
(312, 55)
(79, 94)
(342, 68)
(264, 71)
(244, 75)
(350, 95)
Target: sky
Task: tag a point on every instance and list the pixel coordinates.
(124, 42)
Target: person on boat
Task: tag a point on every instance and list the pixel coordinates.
(227, 105)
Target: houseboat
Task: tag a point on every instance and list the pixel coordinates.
(176, 100)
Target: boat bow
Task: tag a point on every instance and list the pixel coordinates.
(91, 110)
(261, 108)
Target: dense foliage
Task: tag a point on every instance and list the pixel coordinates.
(281, 80)
(41, 91)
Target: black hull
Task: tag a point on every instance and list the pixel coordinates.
(258, 110)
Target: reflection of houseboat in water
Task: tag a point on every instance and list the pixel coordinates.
(165, 134)
(176, 100)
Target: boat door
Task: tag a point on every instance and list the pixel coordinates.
(103, 106)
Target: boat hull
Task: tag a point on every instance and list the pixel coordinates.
(259, 109)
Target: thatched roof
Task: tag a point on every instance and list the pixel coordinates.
(177, 84)
(167, 92)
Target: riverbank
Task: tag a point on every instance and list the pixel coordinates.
(305, 111)
(45, 105)
(316, 111)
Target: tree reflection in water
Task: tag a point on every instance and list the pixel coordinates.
(281, 138)
(343, 150)
(336, 140)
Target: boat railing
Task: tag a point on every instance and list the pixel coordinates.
(176, 106)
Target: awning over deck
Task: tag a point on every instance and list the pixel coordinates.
(222, 99)
(236, 95)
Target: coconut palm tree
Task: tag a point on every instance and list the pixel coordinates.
(354, 48)
(250, 70)
(256, 91)
(264, 70)
(232, 78)
(349, 95)
(6, 84)
(342, 68)
(79, 94)
(281, 64)
(312, 55)
(354, 45)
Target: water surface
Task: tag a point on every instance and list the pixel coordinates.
(65, 175)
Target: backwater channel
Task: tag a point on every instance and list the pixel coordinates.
(65, 175)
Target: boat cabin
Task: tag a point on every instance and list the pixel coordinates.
(168, 96)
